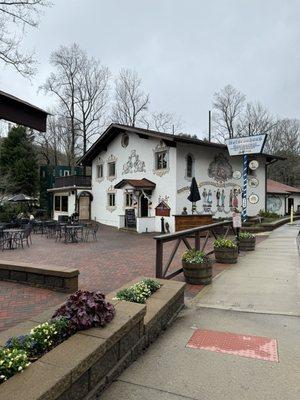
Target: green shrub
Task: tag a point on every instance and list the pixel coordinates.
(222, 243)
(139, 292)
(246, 235)
(194, 256)
(12, 361)
(268, 214)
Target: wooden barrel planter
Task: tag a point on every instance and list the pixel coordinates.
(226, 255)
(198, 274)
(247, 244)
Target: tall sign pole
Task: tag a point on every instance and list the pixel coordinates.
(242, 146)
(245, 183)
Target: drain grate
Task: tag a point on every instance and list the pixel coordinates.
(258, 347)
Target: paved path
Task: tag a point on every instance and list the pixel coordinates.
(258, 296)
(266, 281)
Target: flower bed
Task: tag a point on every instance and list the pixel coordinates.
(82, 310)
(139, 292)
(87, 362)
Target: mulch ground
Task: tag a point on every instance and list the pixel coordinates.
(116, 258)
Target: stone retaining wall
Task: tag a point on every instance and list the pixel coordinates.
(85, 364)
(62, 279)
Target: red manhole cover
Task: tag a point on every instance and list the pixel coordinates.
(259, 347)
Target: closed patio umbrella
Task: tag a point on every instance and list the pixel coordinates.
(194, 195)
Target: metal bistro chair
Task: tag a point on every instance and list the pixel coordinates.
(23, 237)
(91, 229)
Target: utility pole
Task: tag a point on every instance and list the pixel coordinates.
(209, 126)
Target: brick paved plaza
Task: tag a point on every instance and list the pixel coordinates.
(116, 258)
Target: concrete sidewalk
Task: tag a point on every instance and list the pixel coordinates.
(258, 296)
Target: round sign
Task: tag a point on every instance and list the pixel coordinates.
(253, 198)
(254, 164)
(253, 182)
(237, 175)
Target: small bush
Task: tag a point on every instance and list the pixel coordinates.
(139, 292)
(12, 361)
(246, 235)
(194, 256)
(85, 310)
(268, 214)
(222, 243)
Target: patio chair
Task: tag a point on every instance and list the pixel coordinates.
(95, 228)
(59, 232)
(22, 237)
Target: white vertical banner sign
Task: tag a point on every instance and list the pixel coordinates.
(244, 146)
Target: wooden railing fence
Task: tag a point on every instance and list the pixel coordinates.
(211, 230)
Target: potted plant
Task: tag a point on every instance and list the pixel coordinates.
(246, 241)
(197, 267)
(226, 251)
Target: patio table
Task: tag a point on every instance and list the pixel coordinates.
(71, 233)
(10, 235)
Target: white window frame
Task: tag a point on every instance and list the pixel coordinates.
(128, 196)
(161, 148)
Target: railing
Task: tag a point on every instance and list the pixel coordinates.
(182, 236)
(72, 180)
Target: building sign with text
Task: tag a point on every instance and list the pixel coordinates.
(246, 145)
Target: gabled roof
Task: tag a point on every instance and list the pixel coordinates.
(280, 188)
(115, 129)
(136, 183)
(20, 112)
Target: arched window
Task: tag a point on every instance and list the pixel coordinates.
(189, 166)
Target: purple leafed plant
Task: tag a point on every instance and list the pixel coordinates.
(85, 310)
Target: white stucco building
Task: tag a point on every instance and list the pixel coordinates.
(135, 170)
(281, 197)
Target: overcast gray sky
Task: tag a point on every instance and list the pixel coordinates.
(183, 50)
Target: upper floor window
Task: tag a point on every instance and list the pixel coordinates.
(189, 166)
(161, 161)
(111, 169)
(99, 170)
(66, 172)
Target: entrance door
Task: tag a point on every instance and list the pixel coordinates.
(84, 207)
(290, 204)
(144, 206)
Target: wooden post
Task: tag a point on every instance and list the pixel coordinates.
(159, 258)
(197, 240)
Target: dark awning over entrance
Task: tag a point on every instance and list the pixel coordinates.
(137, 184)
(22, 113)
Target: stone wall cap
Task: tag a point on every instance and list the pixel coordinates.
(53, 270)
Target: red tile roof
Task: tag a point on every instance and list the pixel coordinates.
(136, 183)
(280, 188)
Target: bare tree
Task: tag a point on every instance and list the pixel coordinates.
(21, 14)
(130, 100)
(255, 120)
(228, 104)
(284, 141)
(91, 99)
(163, 122)
(80, 85)
(51, 143)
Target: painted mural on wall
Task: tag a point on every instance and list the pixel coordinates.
(220, 168)
(274, 203)
(134, 164)
(219, 195)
